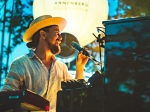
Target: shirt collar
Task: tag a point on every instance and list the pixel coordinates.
(31, 54)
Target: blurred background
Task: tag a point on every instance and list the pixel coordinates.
(84, 24)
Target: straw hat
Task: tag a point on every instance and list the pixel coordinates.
(41, 22)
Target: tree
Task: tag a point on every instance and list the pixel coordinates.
(16, 17)
(132, 8)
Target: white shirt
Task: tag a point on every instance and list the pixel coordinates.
(30, 72)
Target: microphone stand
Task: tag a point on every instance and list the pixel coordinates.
(101, 44)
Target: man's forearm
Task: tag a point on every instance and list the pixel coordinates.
(79, 72)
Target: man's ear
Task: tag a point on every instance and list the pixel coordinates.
(42, 34)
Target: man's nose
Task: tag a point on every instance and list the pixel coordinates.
(59, 35)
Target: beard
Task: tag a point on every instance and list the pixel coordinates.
(54, 49)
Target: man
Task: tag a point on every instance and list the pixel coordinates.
(39, 71)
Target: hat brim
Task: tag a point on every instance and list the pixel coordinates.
(61, 22)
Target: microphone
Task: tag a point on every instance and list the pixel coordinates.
(76, 46)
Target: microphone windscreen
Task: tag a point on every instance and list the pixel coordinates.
(76, 46)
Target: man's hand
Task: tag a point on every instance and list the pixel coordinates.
(80, 63)
(81, 59)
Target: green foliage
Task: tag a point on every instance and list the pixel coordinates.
(132, 8)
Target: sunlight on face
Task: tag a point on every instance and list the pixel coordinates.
(53, 39)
